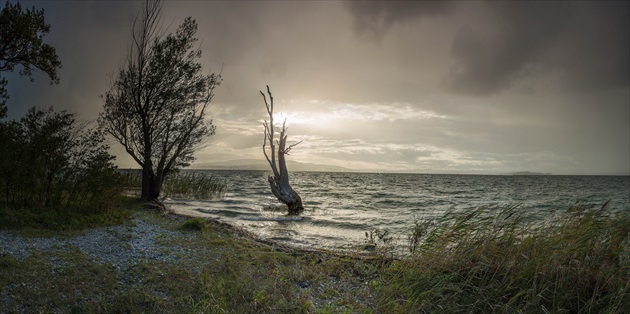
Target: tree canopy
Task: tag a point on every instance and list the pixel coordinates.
(51, 161)
(22, 46)
(55, 172)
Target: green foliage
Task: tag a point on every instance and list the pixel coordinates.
(194, 224)
(53, 165)
(503, 260)
(21, 45)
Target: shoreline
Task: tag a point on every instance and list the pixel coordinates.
(288, 248)
(15, 244)
(110, 265)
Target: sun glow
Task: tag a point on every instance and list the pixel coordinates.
(322, 113)
(295, 118)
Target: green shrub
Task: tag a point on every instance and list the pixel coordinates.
(53, 170)
(194, 224)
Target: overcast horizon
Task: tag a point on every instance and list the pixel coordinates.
(430, 87)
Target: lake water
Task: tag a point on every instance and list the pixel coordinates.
(341, 207)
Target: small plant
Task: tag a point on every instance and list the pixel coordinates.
(194, 224)
(373, 237)
(419, 231)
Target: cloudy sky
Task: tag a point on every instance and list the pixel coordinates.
(437, 87)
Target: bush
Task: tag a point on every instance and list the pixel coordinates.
(194, 224)
(53, 164)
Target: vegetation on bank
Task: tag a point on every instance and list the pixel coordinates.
(156, 107)
(506, 260)
(484, 260)
(183, 183)
(54, 172)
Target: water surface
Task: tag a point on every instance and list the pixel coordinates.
(342, 207)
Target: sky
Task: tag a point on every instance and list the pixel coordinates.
(430, 87)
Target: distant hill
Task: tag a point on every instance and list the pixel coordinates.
(529, 173)
(254, 164)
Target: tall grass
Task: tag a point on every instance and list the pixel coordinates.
(198, 185)
(189, 184)
(504, 260)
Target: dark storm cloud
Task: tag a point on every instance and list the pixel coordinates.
(579, 45)
(376, 17)
(584, 44)
(600, 39)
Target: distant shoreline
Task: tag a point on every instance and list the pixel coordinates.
(530, 173)
(519, 173)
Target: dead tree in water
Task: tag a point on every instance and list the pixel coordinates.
(279, 182)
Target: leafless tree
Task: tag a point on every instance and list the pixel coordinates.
(279, 182)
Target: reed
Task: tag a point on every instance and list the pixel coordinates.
(189, 184)
(505, 260)
(197, 185)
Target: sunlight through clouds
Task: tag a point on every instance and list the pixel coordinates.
(324, 113)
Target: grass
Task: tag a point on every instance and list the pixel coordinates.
(190, 184)
(64, 219)
(194, 224)
(502, 260)
(479, 261)
(198, 185)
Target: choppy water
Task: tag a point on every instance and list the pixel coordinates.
(341, 207)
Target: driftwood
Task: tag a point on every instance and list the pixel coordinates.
(279, 181)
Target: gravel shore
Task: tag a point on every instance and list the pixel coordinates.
(152, 264)
(121, 246)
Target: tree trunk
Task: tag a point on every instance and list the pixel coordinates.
(156, 188)
(285, 194)
(151, 185)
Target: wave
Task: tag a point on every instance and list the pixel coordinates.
(221, 212)
(278, 218)
(340, 208)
